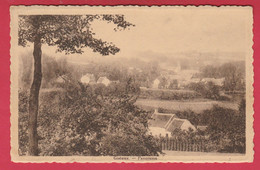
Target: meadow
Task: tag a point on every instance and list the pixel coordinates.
(196, 105)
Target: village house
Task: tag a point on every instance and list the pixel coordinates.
(157, 124)
(163, 124)
(88, 79)
(182, 124)
(158, 131)
(104, 80)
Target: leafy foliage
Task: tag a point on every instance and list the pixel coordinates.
(70, 33)
(82, 120)
(208, 90)
(225, 130)
(234, 74)
(23, 122)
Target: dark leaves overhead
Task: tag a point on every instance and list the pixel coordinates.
(117, 20)
(70, 33)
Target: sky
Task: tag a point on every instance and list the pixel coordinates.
(175, 33)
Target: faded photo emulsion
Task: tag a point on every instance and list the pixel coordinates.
(131, 84)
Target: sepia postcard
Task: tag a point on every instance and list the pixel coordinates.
(131, 84)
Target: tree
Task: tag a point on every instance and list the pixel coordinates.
(234, 74)
(89, 120)
(208, 90)
(69, 33)
(163, 83)
(173, 84)
(226, 128)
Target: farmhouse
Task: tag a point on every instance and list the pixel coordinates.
(157, 131)
(88, 79)
(160, 119)
(104, 80)
(163, 124)
(182, 124)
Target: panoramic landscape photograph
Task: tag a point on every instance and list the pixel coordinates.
(139, 83)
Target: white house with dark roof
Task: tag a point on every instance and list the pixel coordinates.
(163, 124)
(182, 124)
(88, 79)
(104, 80)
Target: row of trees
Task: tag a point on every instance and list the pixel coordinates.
(234, 74)
(207, 90)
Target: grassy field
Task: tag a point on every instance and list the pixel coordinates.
(195, 105)
(167, 94)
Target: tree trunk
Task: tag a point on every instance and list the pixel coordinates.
(34, 98)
